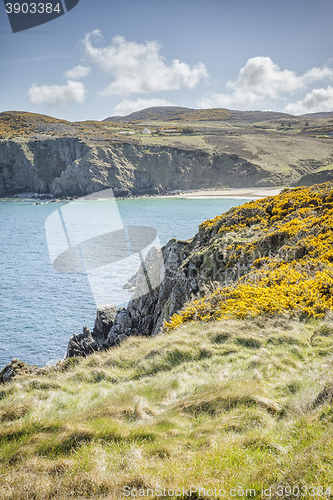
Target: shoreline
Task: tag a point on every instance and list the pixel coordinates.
(250, 192)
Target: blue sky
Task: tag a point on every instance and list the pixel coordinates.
(105, 58)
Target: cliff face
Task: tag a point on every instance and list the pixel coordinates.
(70, 167)
(33, 165)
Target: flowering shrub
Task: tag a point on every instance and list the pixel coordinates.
(296, 229)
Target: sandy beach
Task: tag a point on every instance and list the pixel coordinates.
(231, 193)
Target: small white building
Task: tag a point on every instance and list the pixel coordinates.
(146, 131)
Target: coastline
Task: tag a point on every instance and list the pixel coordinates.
(250, 192)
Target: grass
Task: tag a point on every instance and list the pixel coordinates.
(178, 140)
(224, 404)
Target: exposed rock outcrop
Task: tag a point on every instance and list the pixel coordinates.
(134, 169)
(315, 178)
(87, 342)
(104, 321)
(16, 367)
(81, 344)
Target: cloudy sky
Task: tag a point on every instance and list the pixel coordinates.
(108, 57)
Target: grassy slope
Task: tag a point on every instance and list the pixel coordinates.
(213, 404)
(277, 149)
(218, 405)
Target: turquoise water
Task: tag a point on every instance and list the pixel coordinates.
(40, 308)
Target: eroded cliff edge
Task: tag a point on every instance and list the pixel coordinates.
(269, 256)
(72, 167)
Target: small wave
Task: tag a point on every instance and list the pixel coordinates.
(51, 362)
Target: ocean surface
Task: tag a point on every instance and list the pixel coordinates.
(41, 308)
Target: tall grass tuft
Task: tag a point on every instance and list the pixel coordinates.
(222, 404)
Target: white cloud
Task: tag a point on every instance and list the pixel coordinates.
(314, 102)
(128, 106)
(317, 74)
(260, 82)
(139, 67)
(77, 72)
(54, 95)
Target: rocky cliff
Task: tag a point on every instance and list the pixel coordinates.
(72, 167)
(32, 165)
(273, 255)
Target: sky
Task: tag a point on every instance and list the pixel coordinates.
(107, 57)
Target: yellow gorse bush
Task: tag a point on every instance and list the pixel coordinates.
(296, 277)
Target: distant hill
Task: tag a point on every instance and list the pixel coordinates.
(258, 116)
(323, 114)
(173, 113)
(153, 113)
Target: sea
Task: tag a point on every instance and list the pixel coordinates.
(41, 308)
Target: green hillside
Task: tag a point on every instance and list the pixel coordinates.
(224, 405)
